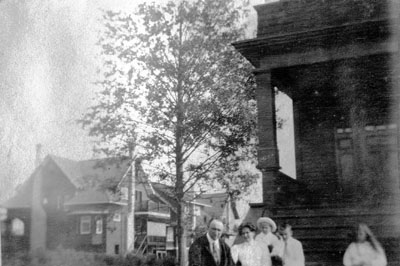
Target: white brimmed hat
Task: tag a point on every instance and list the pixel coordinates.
(268, 221)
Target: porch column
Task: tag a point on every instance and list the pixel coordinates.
(268, 159)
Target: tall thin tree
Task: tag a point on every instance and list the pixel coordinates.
(172, 81)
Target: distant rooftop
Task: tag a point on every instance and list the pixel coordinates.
(82, 174)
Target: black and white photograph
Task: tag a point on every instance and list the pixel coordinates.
(200, 133)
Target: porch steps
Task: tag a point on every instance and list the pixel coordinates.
(325, 231)
(141, 249)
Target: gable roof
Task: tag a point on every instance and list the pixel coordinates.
(106, 172)
(166, 193)
(93, 172)
(69, 167)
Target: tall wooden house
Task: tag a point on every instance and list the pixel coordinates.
(338, 61)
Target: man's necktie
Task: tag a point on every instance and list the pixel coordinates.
(215, 252)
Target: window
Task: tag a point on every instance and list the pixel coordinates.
(124, 193)
(170, 234)
(138, 196)
(117, 217)
(196, 211)
(85, 225)
(17, 227)
(116, 249)
(99, 225)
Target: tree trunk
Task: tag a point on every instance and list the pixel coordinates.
(179, 159)
(182, 239)
(179, 192)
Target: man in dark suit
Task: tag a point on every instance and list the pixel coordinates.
(208, 250)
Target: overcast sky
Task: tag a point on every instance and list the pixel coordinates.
(47, 55)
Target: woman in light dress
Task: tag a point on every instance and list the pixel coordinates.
(268, 239)
(366, 251)
(250, 252)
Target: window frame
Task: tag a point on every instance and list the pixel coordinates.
(85, 220)
(17, 227)
(99, 225)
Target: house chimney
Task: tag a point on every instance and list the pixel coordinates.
(38, 230)
(38, 159)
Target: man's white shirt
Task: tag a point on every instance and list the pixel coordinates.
(213, 242)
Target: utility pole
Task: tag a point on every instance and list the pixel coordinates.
(130, 214)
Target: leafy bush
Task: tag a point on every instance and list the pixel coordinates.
(69, 257)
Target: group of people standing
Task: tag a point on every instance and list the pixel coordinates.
(271, 247)
(274, 246)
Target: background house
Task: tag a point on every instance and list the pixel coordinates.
(95, 206)
(88, 205)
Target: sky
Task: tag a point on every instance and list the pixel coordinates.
(48, 66)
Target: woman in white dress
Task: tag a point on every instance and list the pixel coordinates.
(266, 237)
(250, 252)
(366, 251)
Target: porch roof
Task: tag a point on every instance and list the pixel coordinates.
(317, 45)
(318, 30)
(22, 198)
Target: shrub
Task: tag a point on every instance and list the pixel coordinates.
(69, 257)
(18, 259)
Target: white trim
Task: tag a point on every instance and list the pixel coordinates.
(154, 213)
(200, 204)
(87, 212)
(99, 202)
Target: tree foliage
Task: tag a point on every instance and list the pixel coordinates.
(171, 69)
(174, 85)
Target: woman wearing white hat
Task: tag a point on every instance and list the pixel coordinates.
(267, 238)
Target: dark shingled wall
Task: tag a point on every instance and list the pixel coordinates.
(304, 15)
